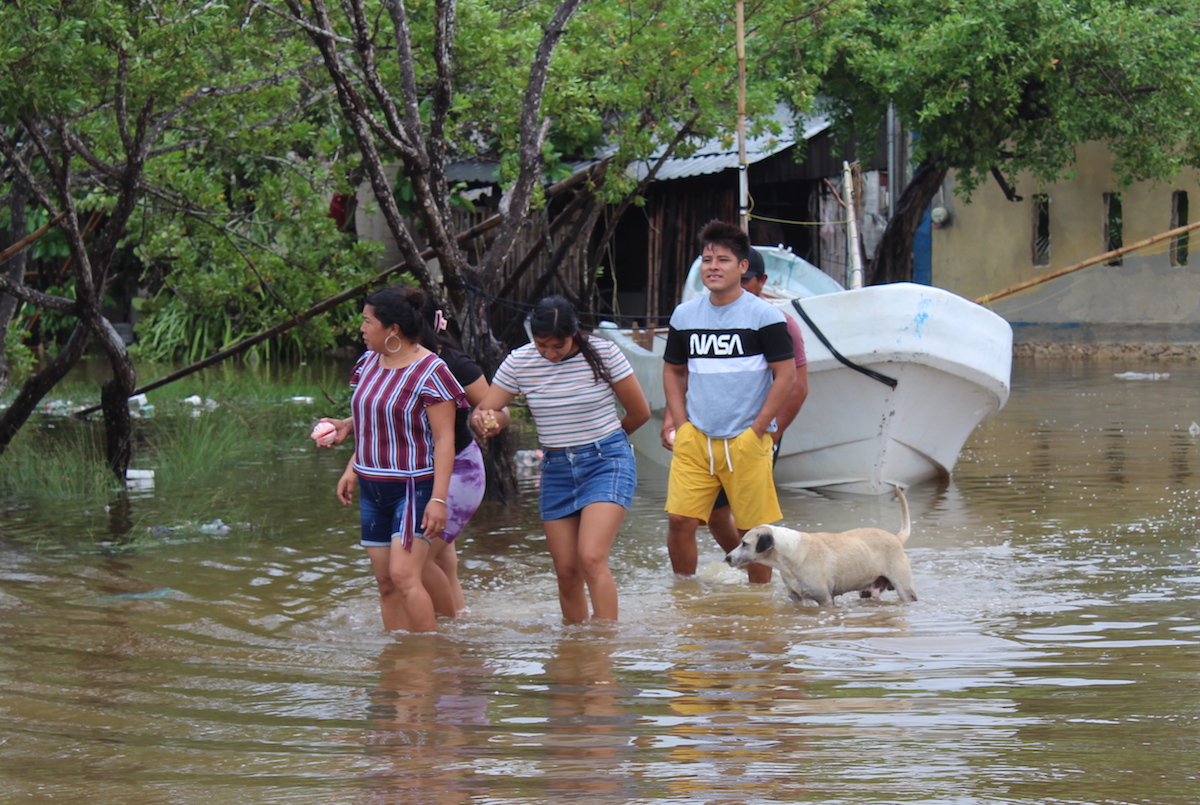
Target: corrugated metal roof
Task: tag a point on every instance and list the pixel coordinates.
(721, 153)
(714, 156)
(472, 171)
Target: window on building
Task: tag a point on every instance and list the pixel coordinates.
(1041, 230)
(1114, 236)
(1179, 217)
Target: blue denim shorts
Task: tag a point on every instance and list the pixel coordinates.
(598, 472)
(386, 512)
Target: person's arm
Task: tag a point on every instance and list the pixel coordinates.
(346, 484)
(633, 400)
(675, 382)
(791, 407)
(491, 414)
(784, 374)
(441, 423)
(476, 392)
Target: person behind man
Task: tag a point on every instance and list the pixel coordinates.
(729, 368)
(720, 522)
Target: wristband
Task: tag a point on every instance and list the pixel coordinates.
(437, 500)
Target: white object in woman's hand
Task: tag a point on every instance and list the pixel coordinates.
(323, 433)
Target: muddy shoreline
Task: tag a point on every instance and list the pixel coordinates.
(1106, 353)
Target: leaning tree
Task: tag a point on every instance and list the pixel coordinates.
(527, 85)
(126, 126)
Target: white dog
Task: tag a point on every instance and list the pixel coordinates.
(822, 565)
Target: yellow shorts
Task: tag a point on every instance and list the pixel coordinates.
(743, 466)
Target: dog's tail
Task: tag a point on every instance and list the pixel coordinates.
(905, 525)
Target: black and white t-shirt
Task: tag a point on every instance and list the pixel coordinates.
(727, 350)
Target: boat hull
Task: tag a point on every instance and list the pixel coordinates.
(951, 360)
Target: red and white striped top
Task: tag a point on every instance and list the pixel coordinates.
(392, 438)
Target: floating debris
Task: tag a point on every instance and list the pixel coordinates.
(215, 527)
(1142, 375)
(59, 407)
(529, 462)
(162, 592)
(195, 400)
(139, 479)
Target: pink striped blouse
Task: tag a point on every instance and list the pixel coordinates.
(392, 438)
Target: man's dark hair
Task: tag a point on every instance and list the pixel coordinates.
(722, 233)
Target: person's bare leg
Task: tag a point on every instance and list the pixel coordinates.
(562, 538)
(447, 560)
(440, 590)
(406, 569)
(720, 525)
(681, 543)
(597, 531)
(391, 604)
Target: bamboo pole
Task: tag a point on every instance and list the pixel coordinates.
(32, 238)
(852, 249)
(325, 304)
(329, 302)
(743, 166)
(1091, 261)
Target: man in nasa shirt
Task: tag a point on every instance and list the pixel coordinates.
(728, 370)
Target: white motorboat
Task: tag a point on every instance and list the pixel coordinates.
(899, 377)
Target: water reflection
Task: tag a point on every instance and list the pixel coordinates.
(1052, 656)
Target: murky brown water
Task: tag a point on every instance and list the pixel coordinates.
(1054, 656)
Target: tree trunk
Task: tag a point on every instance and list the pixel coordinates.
(39, 385)
(893, 260)
(17, 229)
(114, 399)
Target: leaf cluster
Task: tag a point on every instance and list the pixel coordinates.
(1017, 84)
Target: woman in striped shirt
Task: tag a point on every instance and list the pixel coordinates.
(402, 410)
(572, 383)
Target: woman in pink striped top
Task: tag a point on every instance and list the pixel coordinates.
(403, 409)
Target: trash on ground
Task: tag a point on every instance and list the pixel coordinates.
(139, 479)
(215, 527)
(529, 462)
(162, 592)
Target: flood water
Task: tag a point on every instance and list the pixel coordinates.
(1053, 657)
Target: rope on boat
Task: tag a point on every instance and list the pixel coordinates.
(871, 373)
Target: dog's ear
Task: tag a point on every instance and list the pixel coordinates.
(766, 541)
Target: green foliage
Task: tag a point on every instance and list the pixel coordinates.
(17, 355)
(1017, 84)
(231, 233)
(67, 464)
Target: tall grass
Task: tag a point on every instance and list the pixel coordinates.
(210, 461)
(63, 462)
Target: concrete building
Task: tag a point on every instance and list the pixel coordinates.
(1147, 297)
